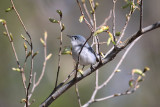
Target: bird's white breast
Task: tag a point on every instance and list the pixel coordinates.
(86, 56)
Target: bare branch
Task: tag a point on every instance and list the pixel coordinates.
(106, 20)
(78, 96)
(88, 14)
(86, 21)
(35, 84)
(114, 22)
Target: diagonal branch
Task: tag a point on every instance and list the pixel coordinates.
(106, 60)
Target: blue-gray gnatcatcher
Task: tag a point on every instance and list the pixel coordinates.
(87, 55)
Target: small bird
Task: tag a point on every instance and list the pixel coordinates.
(87, 55)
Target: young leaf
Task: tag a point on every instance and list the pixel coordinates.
(118, 33)
(16, 69)
(9, 9)
(23, 37)
(42, 41)
(5, 33)
(60, 13)
(25, 46)
(146, 69)
(35, 54)
(29, 53)
(67, 50)
(108, 41)
(11, 36)
(138, 71)
(23, 100)
(63, 27)
(81, 72)
(49, 56)
(53, 20)
(131, 83)
(112, 38)
(102, 29)
(2, 21)
(81, 19)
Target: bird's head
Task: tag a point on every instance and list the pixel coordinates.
(77, 40)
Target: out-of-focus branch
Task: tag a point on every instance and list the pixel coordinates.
(88, 14)
(78, 96)
(114, 21)
(106, 20)
(35, 84)
(86, 21)
(31, 48)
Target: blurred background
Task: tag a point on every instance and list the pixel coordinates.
(35, 14)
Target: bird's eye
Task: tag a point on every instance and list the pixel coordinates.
(75, 38)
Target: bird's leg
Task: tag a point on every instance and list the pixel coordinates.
(92, 67)
(83, 67)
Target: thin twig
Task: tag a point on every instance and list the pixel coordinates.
(88, 14)
(86, 21)
(78, 96)
(106, 20)
(114, 22)
(35, 84)
(60, 52)
(141, 15)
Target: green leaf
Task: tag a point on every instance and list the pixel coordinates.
(102, 29)
(23, 37)
(60, 13)
(29, 54)
(81, 19)
(11, 36)
(42, 41)
(35, 54)
(2, 21)
(23, 100)
(111, 36)
(16, 69)
(67, 50)
(81, 72)
(138, 71)
(131, 83)
(9, 9)
(5, 33)
(146, 69)
(53, 20)
(63, 27)
(25, 46)
(49, 56)
(139, 79)
(118, 33)
(108, 41)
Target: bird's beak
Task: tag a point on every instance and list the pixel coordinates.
(69, 36)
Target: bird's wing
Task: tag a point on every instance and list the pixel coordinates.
(90, 48)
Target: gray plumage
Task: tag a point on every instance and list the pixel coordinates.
(87, 56)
